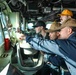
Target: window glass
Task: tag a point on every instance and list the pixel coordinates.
(3, 19)
(30, 25)
(1, 36)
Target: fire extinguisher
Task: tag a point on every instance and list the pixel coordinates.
(7, 44)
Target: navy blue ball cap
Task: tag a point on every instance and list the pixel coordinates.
(39, 23)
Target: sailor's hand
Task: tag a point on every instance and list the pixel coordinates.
(22, 37)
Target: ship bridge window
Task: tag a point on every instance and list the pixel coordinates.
(30, 25)
(48, 24)
(1, 36)
(3, 19)
(30, 28)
